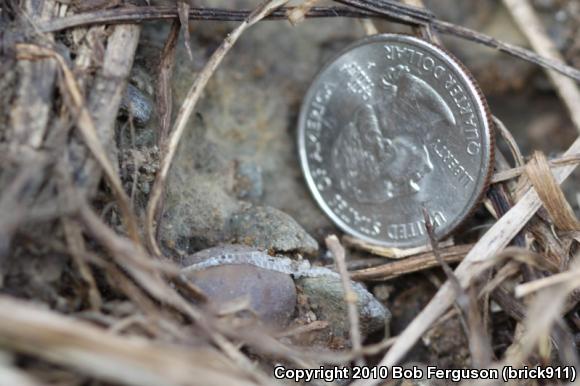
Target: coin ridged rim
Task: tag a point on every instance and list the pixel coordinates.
(482, 109)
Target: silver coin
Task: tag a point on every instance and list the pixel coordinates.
(391, 125)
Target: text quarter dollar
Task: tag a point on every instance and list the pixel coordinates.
(390, 125)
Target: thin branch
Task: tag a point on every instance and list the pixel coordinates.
(123, 15)
(412, 264)
(164, 101)
(461, 296)
(519, 52)
(350, 297)
(363, 9)
(548, 61)
(402, 13)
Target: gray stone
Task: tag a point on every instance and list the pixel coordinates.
(326, 298)
(247, 114)
(197, 212)
(269, 228)
(200, 211)
(136, 105)
(202, 208)
(249, 184)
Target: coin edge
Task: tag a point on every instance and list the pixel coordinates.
(475, 198)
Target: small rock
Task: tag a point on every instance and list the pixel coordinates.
(136, 105)
(326, 298)
(197, 210)
(202, 206)
(269, 228)
(321, 287)
(271, 294)
(229, 272)
(383, 292)
(249, 184)
(447, 344)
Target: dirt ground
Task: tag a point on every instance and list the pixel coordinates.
(156, 227)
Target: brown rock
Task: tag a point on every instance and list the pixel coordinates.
(272, 295)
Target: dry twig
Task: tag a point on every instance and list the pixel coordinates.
(572, 159)
(401, 14)
(350, 297)
(539, 173)
(87, 128)
(126, 360)
(412, 264)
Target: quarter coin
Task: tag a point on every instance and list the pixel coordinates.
(391, 125)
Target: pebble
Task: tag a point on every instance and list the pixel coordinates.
(326, 298)
(271, 294)
(231, 270)
(137, 105)
(249, 184)
(269, 228)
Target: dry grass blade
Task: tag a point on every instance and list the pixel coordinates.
(10, 375)
(141, 268)
(87, 129)
(350, 297)
(411, 264)
(298, 14)
(123, 314)
(446, 268)
(164, 94)
(493, 241)
(183, 12)
(106, 91)
(539, 173)
(542, 315)
(571, 277)
(511, 141)
(522, 256)
(187, 108)
(77, 247)
(505, 175)
(124, 360)
(465, 303)
(14, 201)
(496, 238)
(393, 11)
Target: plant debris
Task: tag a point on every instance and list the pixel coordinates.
(137, 134)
